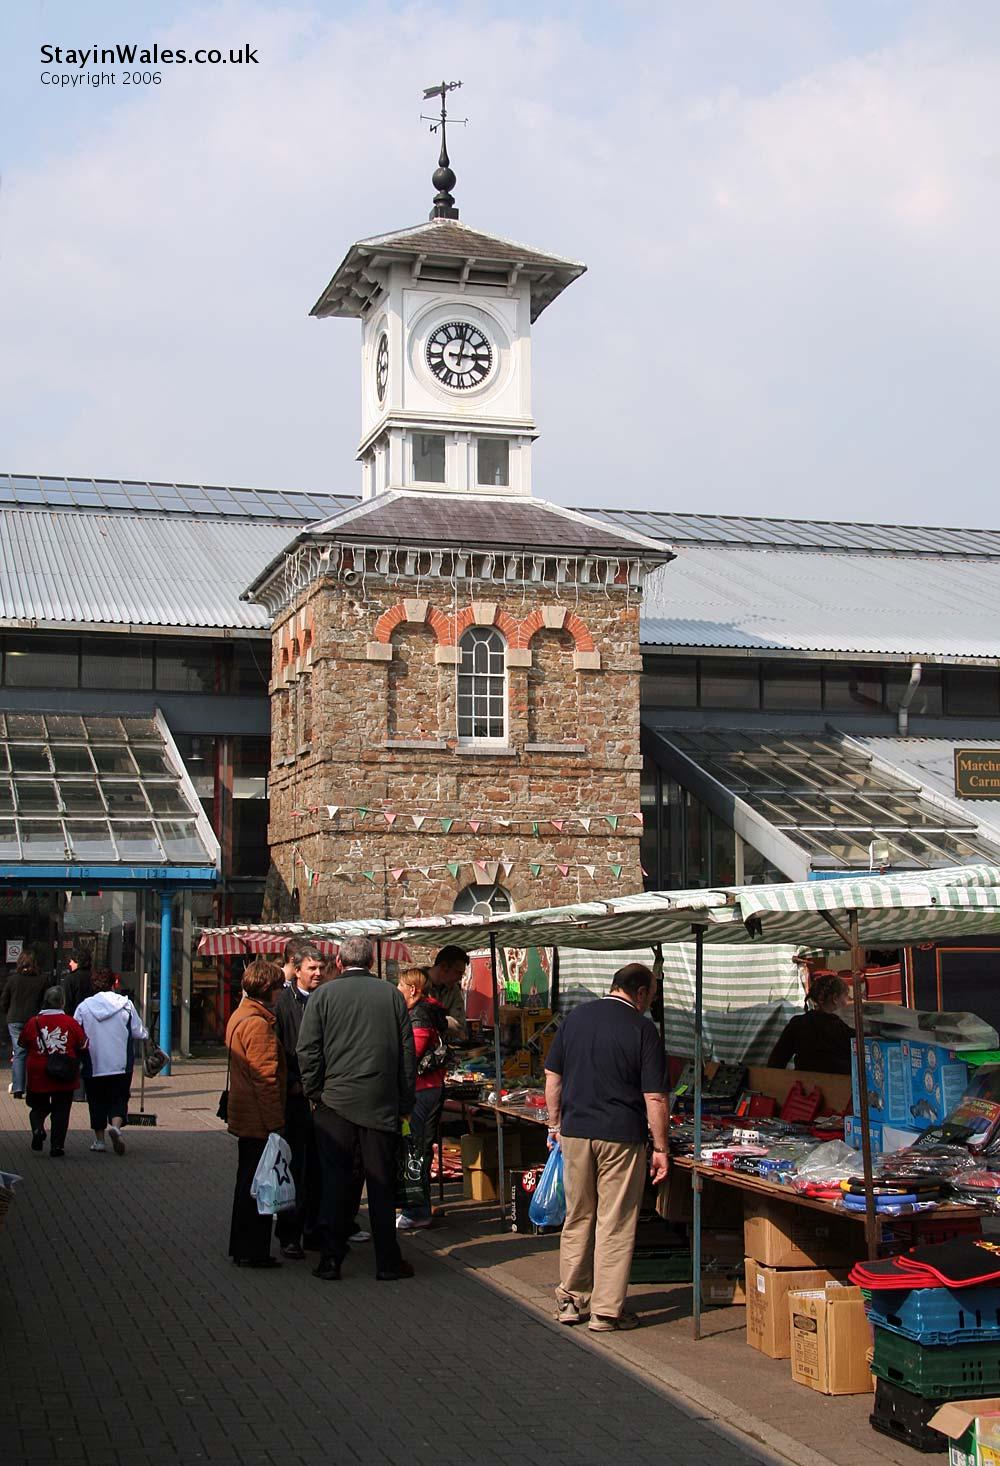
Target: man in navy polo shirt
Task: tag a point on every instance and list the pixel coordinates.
(606, 1089)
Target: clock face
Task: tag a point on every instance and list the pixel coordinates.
(382, 366)
(459, 355)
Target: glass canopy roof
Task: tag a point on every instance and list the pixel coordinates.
(829, 797)
(96, 791)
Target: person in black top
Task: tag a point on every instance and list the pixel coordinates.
(289, 1006)
(818, 1040)
(605, 1089)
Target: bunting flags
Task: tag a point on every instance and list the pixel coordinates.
(534, 827)
(418, 820)
(454, 867)
(474, 825)
(390, 818)
(585, 822)
(557, 824)
(398, 872)
(332, 809)
(480, 871)
(446, 825)
(419, 817)
(612, 820)
(536, 870)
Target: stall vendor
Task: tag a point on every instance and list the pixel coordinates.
(819, 1039)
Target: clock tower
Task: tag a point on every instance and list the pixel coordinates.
(446, 314)
(455, 673)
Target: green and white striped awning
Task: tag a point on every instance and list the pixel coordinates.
(749, 994)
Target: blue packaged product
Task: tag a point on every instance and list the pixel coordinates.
(884, 1071)
(936, 1078)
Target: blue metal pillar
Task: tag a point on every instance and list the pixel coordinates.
(166, 984)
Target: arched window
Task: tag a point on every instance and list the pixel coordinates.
(482, 900)
(482, 686)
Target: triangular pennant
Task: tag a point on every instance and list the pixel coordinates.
(506, 866)
(616, 871)
(362, 810)
(315, 878)
(389, 817)
(418, 820)
(480, 866)
(332, 810)
(591, 870)
(534, 827)
(424, 870)
(612, 820)
(454, 868)
(491, 867)
(398, 872)
(369, 875)
(637, 815)
(536, 870)
(585, 822)
(446, 825)
(504, 823)
(474, 826)
(558, 824)
(644, 871)
(563, 870)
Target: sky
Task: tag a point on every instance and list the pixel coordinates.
(789, 211)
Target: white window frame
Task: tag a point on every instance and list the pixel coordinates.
(436, 483)
(477, 635)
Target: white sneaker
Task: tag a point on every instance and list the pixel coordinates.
(116, 1139)
(98, 1145)
(10, 1087)
(411, 1224)
(360, 1237)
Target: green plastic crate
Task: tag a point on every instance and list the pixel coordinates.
(654, 1265)
(937, 1371)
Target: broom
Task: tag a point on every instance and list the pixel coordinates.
(142, 1118)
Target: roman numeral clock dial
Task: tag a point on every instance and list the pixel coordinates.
(459, 355)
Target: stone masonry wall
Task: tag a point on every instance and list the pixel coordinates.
(380, 731)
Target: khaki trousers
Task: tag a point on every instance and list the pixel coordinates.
(604, 1182)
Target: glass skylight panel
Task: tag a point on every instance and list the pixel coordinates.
(30, 758)
(10, 845)
(98, 728)
(72, 758)
(43, 840)
(136, 841)
(6, 797)
(152, 761)
(64, 725)
(113, 758)
(36, 796)
(166, 798)
(124, 798)
(90, 840)
(141, 728)
(81, 796)
(180, 840)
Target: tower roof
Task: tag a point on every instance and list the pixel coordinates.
(449, 252)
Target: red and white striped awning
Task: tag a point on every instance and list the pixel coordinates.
(242, 941)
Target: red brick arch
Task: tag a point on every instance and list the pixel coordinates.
(448, 629)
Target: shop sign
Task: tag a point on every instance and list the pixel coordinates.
(14, 948)
(977, 773)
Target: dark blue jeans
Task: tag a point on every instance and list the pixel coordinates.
(423, 1126)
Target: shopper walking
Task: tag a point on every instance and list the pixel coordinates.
(21, 1000)
(357, 1064)
(446, 974)
(78, 982)
(256, 1084)
(605, 1084)
(112, 1025)
(289, 1006)
(53, 1044)
(430, 1026)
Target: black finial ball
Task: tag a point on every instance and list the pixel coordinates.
(443, 179)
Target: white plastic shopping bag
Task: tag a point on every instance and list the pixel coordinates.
(272, 1183)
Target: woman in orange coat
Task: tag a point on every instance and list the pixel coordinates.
(256, 1104)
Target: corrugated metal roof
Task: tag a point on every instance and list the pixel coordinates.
(804, 534)
(797, 600)
(41, 491)
(122, 570)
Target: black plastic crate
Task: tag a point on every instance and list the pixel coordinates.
(903, 1416)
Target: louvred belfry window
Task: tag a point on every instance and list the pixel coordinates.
(482, 686)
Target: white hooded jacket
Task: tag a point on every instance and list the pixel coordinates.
(108, 1019)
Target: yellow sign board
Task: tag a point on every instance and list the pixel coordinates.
(977, 773)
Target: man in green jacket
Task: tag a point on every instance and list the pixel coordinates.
(358, 1071)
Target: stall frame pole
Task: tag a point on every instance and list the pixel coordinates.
(696, 1178)
(378, 958)
(498, 1085)
(857, 964)
(166, 976)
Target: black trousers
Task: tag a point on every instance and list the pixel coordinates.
(58, 1105)
(250, 1233)
(301, 1136)
(107, 1098)
(337, 1140)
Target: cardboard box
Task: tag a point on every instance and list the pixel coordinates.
(723, 1287)
(936, 1078)
(480, 1169)
(767, 1291)
(973, 1431)
(887, 1090)
(830, 1340)
(781, 1234)
(885, 1138)
(723, 1246)
(721, 1206)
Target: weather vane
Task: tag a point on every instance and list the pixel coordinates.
(443, 177)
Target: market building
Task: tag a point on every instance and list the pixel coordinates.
(451, 693)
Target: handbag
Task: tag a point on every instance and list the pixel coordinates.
(63, 1068)
(222, 1110)
(153, 1059)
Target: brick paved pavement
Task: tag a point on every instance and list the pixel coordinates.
(127, 1337)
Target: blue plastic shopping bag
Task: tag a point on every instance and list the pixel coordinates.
(548, 1205)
